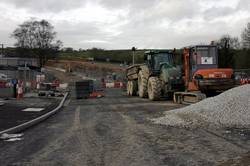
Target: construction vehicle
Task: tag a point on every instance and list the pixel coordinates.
(202, 75)
(158, 76)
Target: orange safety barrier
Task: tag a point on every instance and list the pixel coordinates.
(119, 85)
(20, 90)
(96, 95)
(56, 83)
(245, 81)
(3, 84)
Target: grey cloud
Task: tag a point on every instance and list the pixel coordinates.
(155, 9)
(216, 12)
(46, 5)
(145, 26)
(150, 35)
(244, 5)
(132, 4)
(150, 20)
(78, 35)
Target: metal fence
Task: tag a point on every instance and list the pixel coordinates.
(242, 72)
(24, 75)
(11, 61)
(28, 77)
(242, 76)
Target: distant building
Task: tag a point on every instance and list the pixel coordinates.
(9, 61)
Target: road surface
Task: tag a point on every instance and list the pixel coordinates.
(117, 131)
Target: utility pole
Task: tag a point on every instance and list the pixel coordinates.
(2, 49)
(25, 79)
(133, 52)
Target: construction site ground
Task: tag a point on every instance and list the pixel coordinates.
(117, 130)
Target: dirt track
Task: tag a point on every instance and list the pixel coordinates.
(116, 131)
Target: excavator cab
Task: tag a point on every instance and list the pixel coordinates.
(202, 72)
(203, 57)
(202, 75)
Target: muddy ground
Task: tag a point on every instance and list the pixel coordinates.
(117, 131)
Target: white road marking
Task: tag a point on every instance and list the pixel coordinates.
(76, 123)
(33, 109)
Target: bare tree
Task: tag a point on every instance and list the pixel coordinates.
(245, 35)
(228, 42)
(38, 36)
(227, 46)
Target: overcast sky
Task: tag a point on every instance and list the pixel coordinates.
(121, 24)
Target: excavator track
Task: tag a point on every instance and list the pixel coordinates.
(188, 97)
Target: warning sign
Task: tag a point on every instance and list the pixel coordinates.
(207, 60)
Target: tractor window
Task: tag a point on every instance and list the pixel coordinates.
(162, 58)
(206, 56)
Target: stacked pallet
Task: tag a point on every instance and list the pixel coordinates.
(84, 88)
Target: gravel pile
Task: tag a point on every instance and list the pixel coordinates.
(229, 109)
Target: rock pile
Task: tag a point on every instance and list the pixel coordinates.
(229, 109)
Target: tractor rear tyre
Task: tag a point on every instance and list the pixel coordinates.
(131, 88)
(154, 88)
(142, 84)
(134, 88)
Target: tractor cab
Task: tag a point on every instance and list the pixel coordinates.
(156, 59)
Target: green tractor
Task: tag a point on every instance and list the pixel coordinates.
(158, 76)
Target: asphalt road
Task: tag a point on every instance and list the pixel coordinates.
(117, 131)
(11, 113)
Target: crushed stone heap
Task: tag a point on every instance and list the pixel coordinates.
(229, 109)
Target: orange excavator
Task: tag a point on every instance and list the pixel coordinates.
(202, 75)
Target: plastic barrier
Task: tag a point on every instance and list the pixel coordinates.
(245, 81)
(96, 95)
(3, 84)
(63, 86)
(114, 85)
(110, 85)
(20, 90)
(118, 85)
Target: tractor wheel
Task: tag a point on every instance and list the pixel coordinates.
(142, 84)
(133, 88)
(129, 88)
(154, 88)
